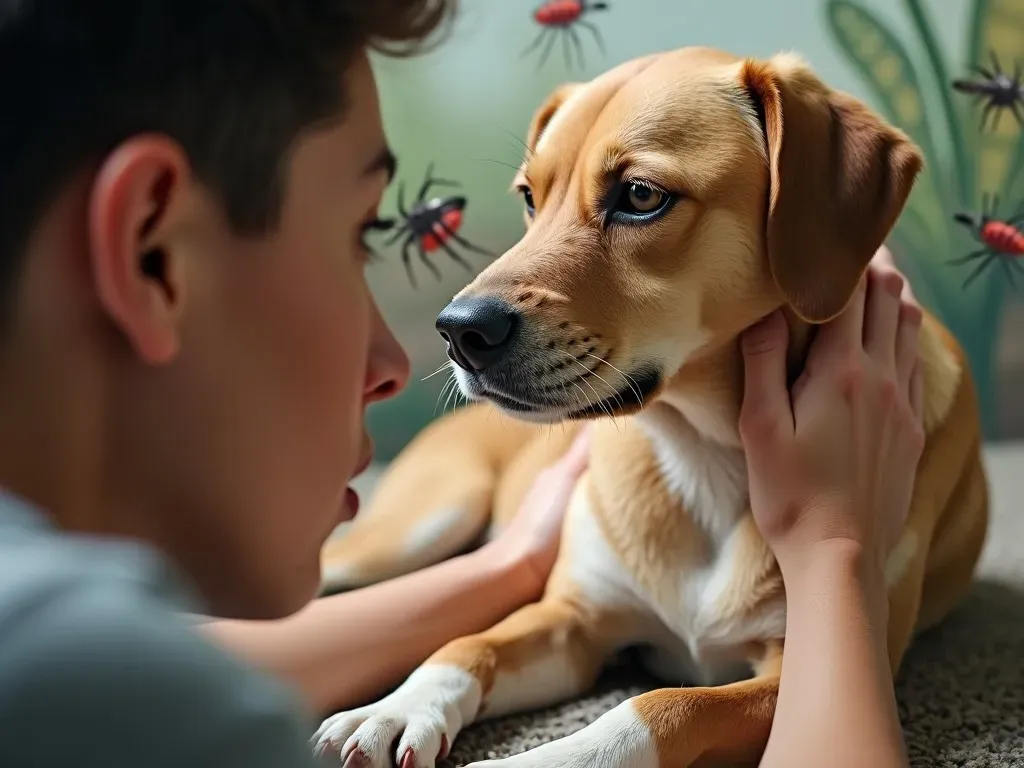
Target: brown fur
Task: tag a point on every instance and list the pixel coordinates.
(788, 188)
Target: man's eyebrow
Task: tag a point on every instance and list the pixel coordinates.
(384, 161)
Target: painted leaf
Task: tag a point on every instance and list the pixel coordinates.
(882, 60)
(998, 27)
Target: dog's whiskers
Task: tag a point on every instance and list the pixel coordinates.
(443, 365)
(440, 394)
(626, 377)
(604, 406)
(581, 365)
(453, 394)
(450, 386)
(515, 168)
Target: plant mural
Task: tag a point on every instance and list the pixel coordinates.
(968, 164)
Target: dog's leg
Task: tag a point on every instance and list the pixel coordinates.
(434, 501)
(929, 581)
(671, 728)
(543, 653)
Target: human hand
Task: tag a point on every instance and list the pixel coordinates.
(836, 459)
(532, 537)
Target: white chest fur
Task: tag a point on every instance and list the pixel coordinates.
(698, 625)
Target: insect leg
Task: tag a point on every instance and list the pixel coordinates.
(1015, 109)
(401, 200)
(596, 33)
(397, 236)
(982, 71)
(978, 270)
(426, 183)
(566, 53)
(995, 123)
(549, 46)
(965, 259)
(455, 256)
(578, 46)
(995, 62)
(1009, 273)
(984, 115)
(463, 241)
(536, 41)
(426, 260)
(407, 258)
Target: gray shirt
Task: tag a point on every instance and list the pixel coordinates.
(100, 668)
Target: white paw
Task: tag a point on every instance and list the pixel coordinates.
(422, 717)
(617, 739)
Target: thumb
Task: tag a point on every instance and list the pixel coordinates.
(765, 394)
(575, 459)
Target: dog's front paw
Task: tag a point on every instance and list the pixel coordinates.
(423, 717)
(617, 739)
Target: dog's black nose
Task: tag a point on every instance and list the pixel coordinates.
(479, 330)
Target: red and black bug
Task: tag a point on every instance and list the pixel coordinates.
(559, 18)
(1002, 240)
(432, 225)
(998, 89)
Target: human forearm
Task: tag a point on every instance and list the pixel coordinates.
(836, 703)
(345, 649)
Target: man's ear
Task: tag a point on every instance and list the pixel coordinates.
(840, 177)
(135, 211)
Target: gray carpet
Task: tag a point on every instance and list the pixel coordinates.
(961, 690)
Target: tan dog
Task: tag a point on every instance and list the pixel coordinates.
(672, 202)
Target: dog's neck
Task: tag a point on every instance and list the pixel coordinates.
(708, 390)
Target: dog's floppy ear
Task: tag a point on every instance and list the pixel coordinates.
(840, 177)
(547, 111)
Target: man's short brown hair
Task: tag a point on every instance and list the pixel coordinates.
(233, 81)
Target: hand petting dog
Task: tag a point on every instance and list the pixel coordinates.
(835, 459)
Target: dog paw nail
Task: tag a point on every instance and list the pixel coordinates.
(445, 747)
(408, 759)
(357, 759)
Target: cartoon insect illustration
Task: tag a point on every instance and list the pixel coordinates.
(559, 18)
(431, 225)
(998, 89)
(1001, 240)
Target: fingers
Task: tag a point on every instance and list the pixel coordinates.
(883, 260)
(907, 343)
(917, 392)
(881, 316)
(766, 405)
(907, 296)
(575, 459)
(845, 333)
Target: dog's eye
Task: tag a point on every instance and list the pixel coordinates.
(643, 199)
(639, 203)
(528, 200)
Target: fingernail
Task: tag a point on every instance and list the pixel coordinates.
(764, 328)
(911, 314)
(894, 283)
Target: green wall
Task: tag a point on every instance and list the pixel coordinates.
(466, 106)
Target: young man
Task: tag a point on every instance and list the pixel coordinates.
(187, 349)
